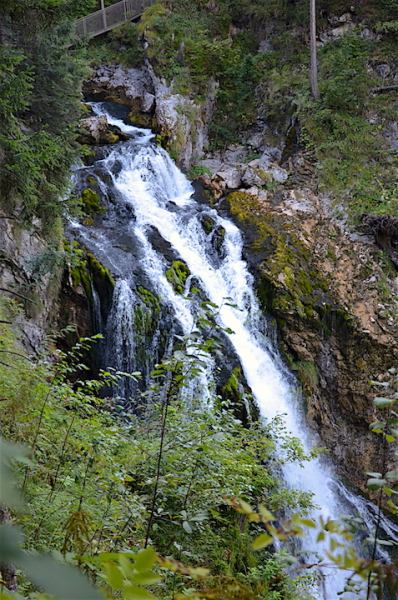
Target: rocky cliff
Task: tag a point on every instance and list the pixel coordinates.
(318, 274)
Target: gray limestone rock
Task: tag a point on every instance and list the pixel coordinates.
(94, 127)
(278, 174)
(252, 177)
(269, 156)
(232, 177)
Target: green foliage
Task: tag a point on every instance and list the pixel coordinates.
(122, 45)
(198, 170)
(39, 106)
(93, 484)
(91, 202)
(177, 275)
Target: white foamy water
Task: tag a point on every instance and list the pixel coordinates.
(148, 182)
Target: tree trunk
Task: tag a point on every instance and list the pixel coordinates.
(314, 67)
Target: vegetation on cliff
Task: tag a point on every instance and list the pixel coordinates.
(96, 483)
(39, 106)
(346, 128)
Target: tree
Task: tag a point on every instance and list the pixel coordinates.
(314, 67)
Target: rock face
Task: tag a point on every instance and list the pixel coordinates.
(22, 257)
(314, 277)
(180, 120)
(128, 85)
(230, 170)
(96, 130)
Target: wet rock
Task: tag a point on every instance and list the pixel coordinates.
(96, 130)
(161, 245)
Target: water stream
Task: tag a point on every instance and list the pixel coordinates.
(148, 199)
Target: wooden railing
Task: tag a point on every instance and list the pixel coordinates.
(111, 16)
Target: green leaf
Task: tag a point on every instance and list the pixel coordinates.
(114, 575)
(377, 426)
(376, 484)
(380, 402)
(391, 475)
(187, 527)
(308, 523)
(133, 592)
(266, 514)
(145, 560)
(375, 475)
(148, 578)
(246, 507)
(262, 541)
(126, 565)
(390, 438)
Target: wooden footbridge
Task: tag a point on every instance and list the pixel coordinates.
(108, 17)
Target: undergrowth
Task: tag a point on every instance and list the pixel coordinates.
(90, 484)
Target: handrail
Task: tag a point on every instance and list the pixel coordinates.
(104, 20)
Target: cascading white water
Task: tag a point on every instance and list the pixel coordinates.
(146, 180)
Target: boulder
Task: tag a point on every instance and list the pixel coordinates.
(278, 174)
(255, 177)
(269, 156)
(93, 127)
(232, 177)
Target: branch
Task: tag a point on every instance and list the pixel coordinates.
(17, 354)
(6, 365)
(19, 295)
(386, 88)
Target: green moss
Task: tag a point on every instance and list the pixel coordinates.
(177, 275)
(230, 390)
(103, 282)
(149, 299)
(307, 373)
(91, 202)
(289, 283)
(81, 276)
(141, 119)
(208, 224)
(99, 271)
(92, 181)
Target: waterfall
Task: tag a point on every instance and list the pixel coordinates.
(147, 194)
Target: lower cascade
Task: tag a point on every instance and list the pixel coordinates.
(152, 221)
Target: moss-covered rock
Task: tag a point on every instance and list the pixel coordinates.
(208, 224)
(177, 275)
(92, 202)
(146, 315)
(108, 137)
(103, 283)
(291, 283)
